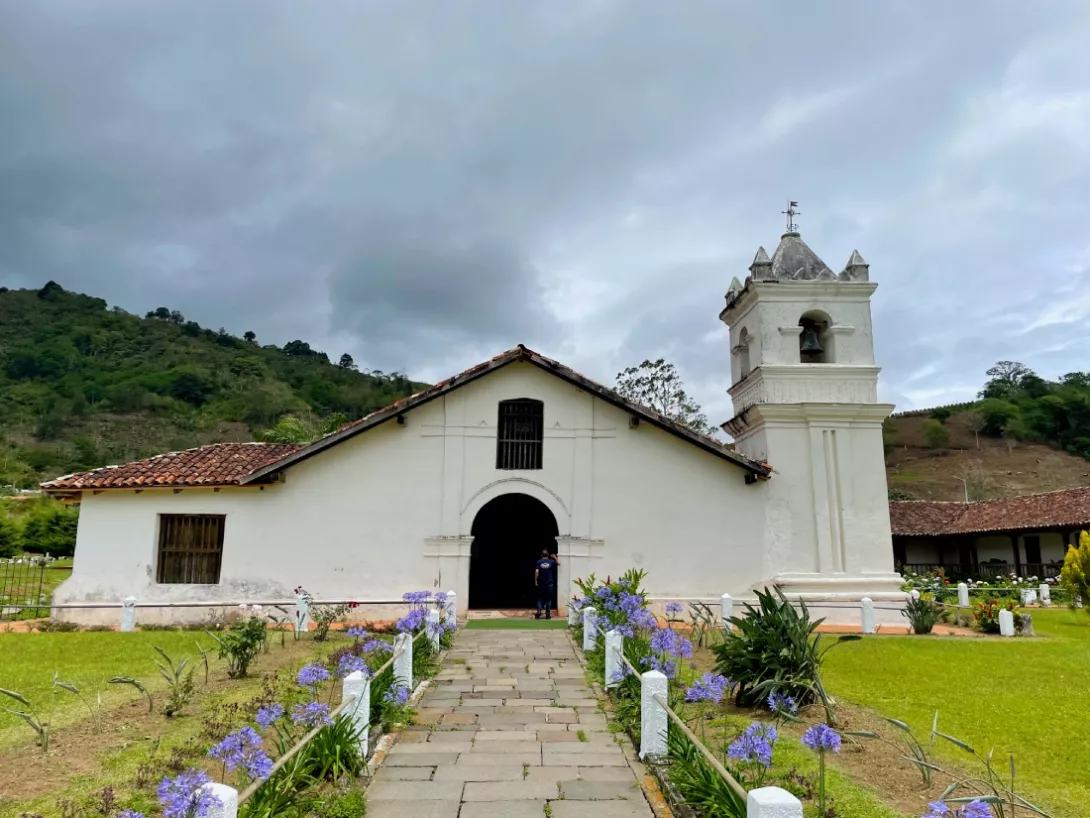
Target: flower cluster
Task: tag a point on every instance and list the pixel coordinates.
(398, 695)
(268, 716)
(667, 647)
(754, 746)
(974, 809)
(312, 675)
(413, 621)
(822, 737)
(311, 714)
(674, 608)
(782, 705)
(711, 687)
(242, 750)
(350, 663)
(130, 813)
(356, 632)
(374, 644)
(186, 796)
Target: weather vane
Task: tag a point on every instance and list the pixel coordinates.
(791, 213)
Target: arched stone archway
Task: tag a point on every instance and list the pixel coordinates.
(509, 533)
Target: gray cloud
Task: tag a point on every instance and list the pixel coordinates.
(424, 184)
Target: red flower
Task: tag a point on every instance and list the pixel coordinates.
(353, 604)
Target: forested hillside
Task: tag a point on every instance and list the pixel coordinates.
(1024, 435)
(85, 385)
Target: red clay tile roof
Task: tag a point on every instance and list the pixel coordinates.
(219, 464)
(224, 464)
(1069, 508)
(519, 353)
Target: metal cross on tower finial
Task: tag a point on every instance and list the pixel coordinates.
(791, 213)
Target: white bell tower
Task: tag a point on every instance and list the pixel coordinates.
(805, 391)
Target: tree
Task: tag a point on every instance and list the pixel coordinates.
(301, 430)
(250, 336)
(1004, 379)
(193, 384)
(346, 362)
(975, 421)
(297, 348)
(162, 313)
(10, 540)
(976, 482)
(51, 529)
(176, 317)
(657, 385)
(936, 435)
(941, 414)
(1075, 575)
(1014, 430)
(996, 413)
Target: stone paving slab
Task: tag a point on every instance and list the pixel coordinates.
(508, 731)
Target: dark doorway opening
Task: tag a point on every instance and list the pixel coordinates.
(508, 535)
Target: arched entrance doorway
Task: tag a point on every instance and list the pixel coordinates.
(508, 535)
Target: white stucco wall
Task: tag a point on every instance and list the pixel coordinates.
(390, 510)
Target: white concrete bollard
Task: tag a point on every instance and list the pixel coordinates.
(614, 662)
(590, 630)
(433, 629)
(914, 594)
(358, 685)
(1006, 623)
(1028, 597)
(1046, 593)
(128, 614)
(653, 718)
(403, 661)
(228, 797)
(772, 802)
(573, 615)
(867, 612)
(963, 595)
(302, 614)
(726, 610)
(451, 609)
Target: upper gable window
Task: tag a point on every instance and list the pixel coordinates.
(520, 432)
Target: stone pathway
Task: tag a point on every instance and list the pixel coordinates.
(508, 727)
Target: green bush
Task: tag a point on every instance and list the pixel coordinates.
(11, 540)
(936, 434)
(347, 805)
(241, 644)
(776, 647)
(922, 614)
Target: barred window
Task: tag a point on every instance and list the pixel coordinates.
(190, 549)
(521, 428)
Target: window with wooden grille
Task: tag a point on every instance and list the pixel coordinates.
(190, 549)
(521, 428)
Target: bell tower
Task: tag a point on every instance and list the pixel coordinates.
(805, 390)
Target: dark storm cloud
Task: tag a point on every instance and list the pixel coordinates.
(424, 184)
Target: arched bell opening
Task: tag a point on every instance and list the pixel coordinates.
(815, 340)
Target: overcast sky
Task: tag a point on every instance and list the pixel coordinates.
(426, 184)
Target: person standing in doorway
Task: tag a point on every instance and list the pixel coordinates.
(545, 580)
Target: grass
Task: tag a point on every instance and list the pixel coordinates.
(86, 660)
(516, 624)
(1021, 696)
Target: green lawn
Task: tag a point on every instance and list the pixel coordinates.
(87, 660)
(1020, 696)
(515, 624)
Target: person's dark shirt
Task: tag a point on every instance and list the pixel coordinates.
(546, 571)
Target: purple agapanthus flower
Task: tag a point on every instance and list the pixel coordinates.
(416, 597)
(577, 604)
(754, 746)
(231, 750)
(311, 714)
(674, 608)
(356, 632)
(185, 796)
(620, 674)
(350, 664)
(130, 813)
(412, 621)
(441, 598)
(398, 695)
(268, 716)
(711, 687)
(667, 667)
(778, 703)
(821, 737)
(974, 809)
(376, 644)
(312, 675)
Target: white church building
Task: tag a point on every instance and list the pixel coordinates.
(460, 486)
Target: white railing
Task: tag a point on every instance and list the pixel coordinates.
(656, 715)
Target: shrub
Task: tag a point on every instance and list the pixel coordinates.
(936, 434)
(241, 644)
(1075, 576)
(986, 613)
(775, 648)
(922, 614)
(347, 805)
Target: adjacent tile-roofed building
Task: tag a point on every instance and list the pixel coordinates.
(1069, 508)
(218, 464)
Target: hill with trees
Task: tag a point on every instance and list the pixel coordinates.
(85, 385)
(1023, 435)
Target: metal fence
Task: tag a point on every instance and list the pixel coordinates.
(21, 590)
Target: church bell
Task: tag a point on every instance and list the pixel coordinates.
(810, 342)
